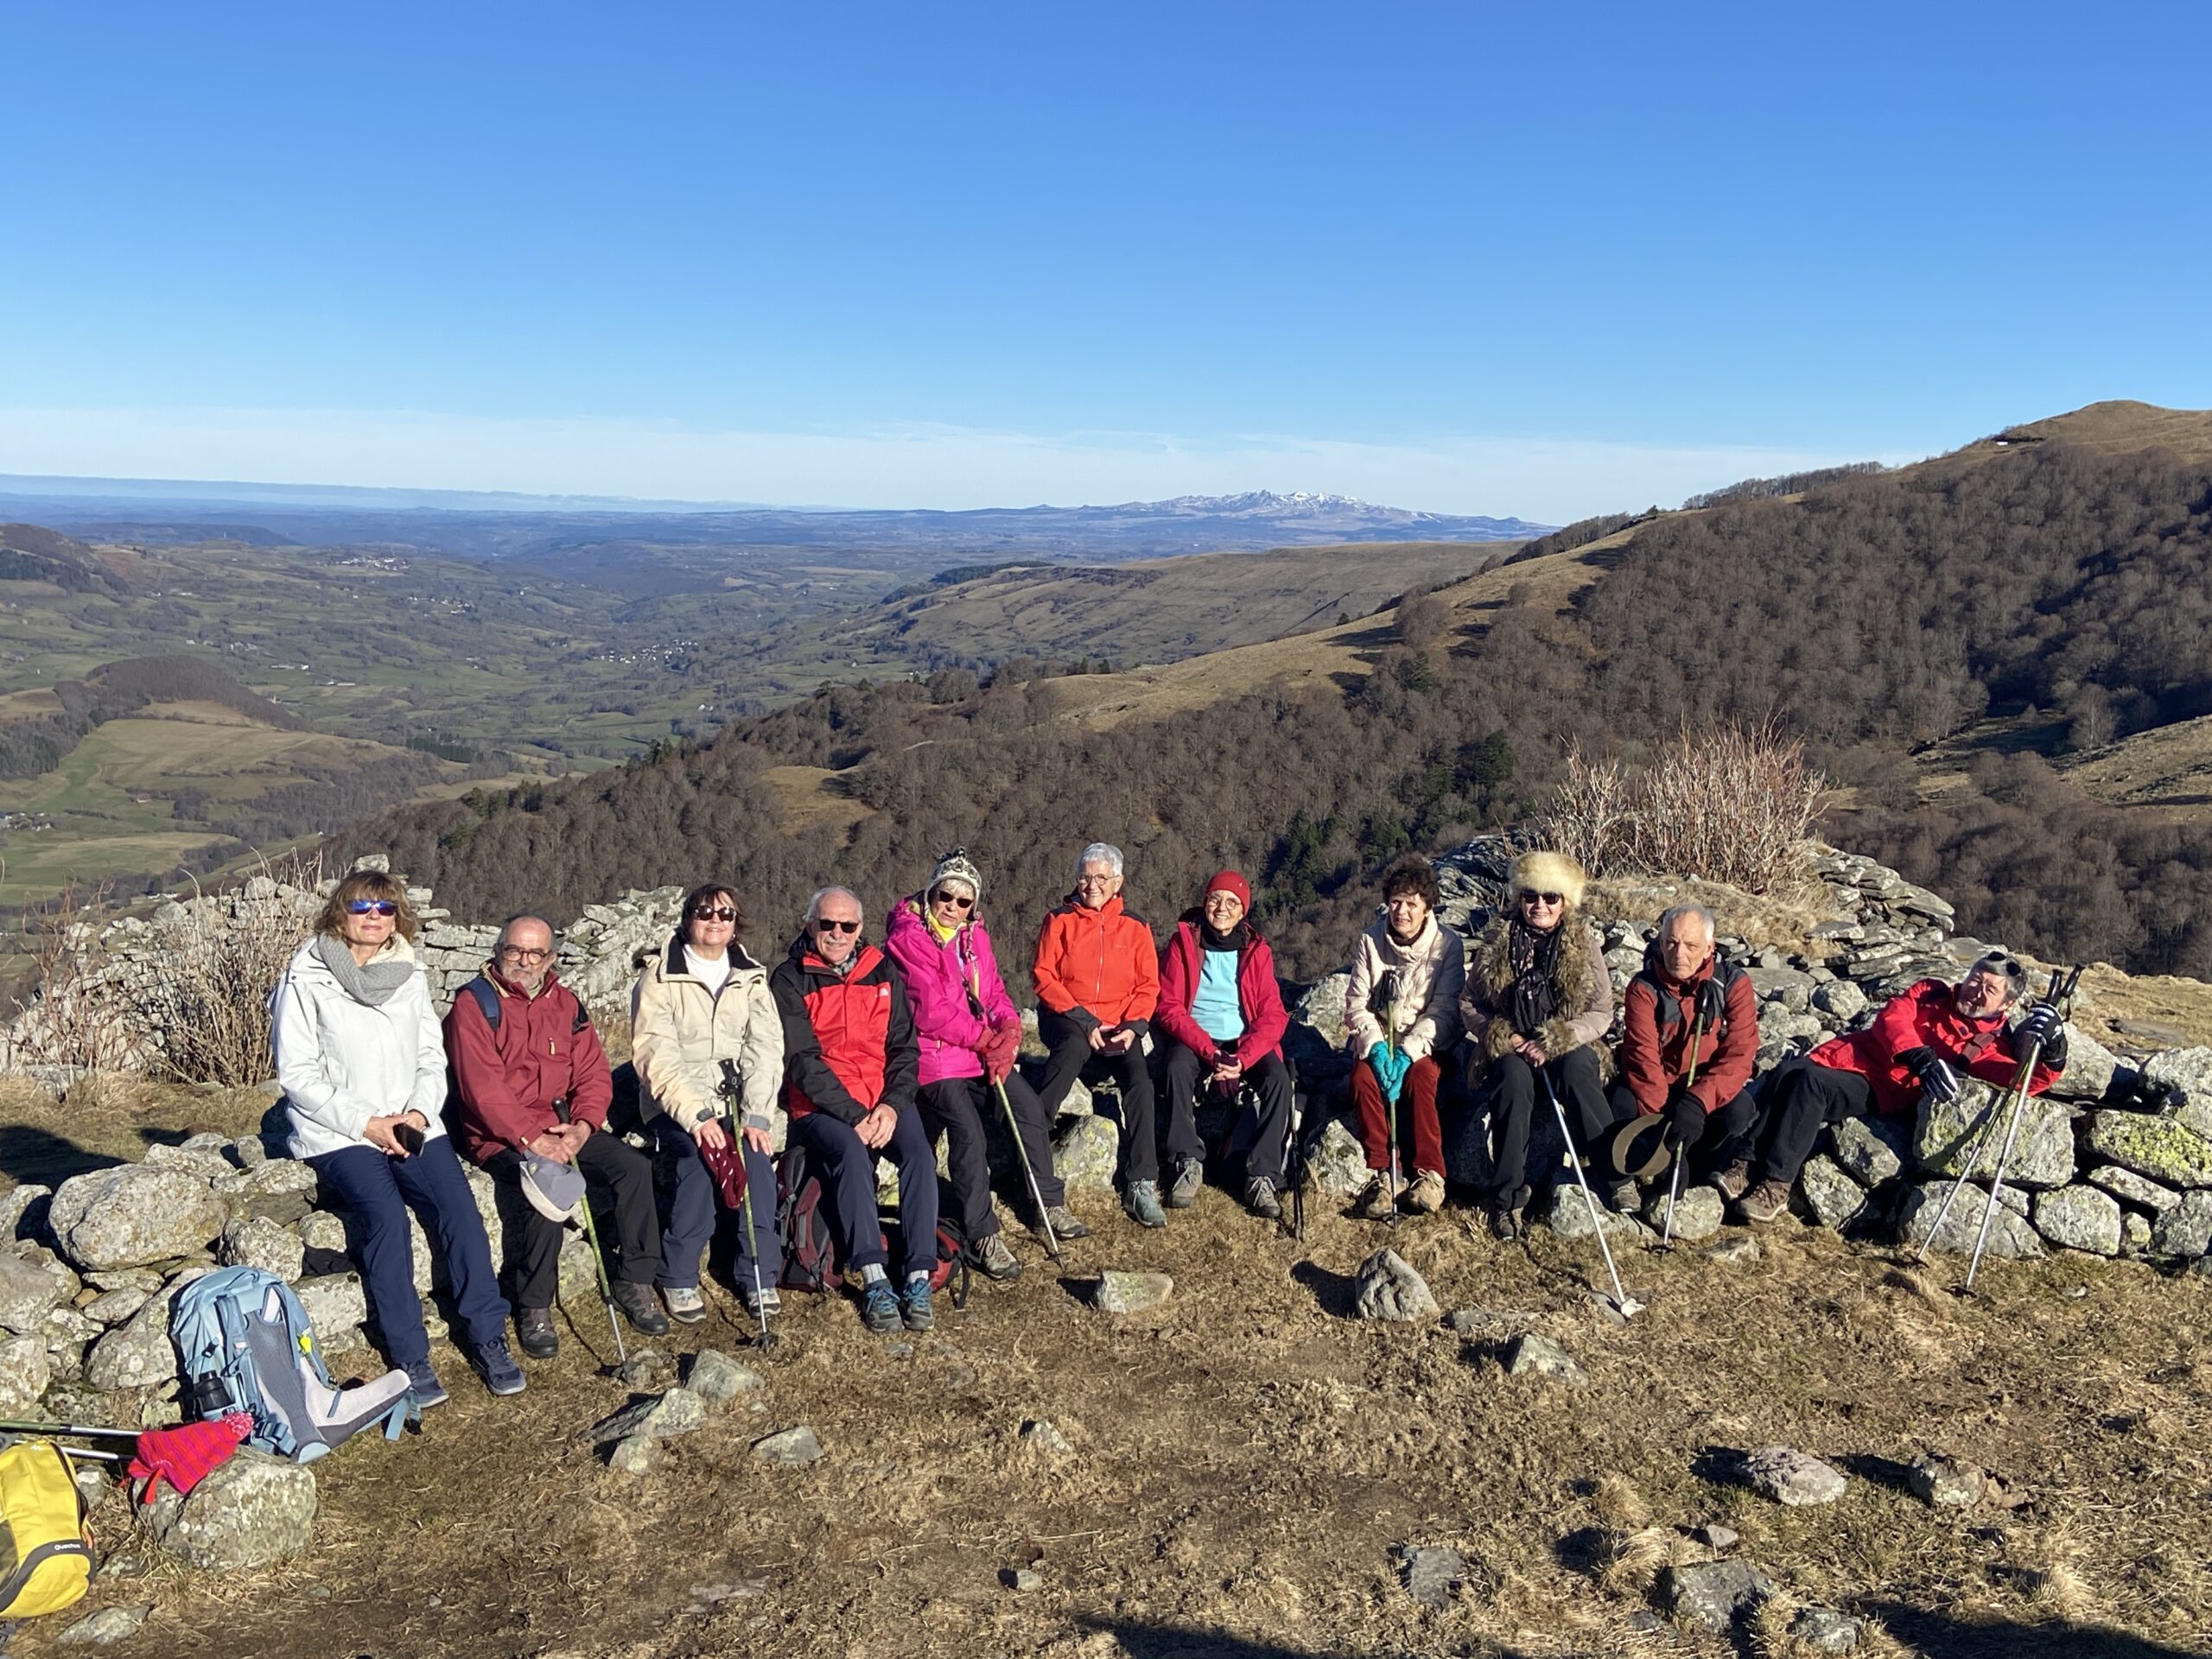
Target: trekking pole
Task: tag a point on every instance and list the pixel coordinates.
(1682, 1153)
(69, 1428)
(732, 1090)
(598, 1255)
(1036, 1193)
(1623, 1304)
(2061, 997)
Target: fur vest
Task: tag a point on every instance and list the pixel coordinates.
(1582, 993)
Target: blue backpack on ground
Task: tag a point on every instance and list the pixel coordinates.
(247, 1347)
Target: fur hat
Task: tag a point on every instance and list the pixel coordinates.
(1547, 873)
(955, 866)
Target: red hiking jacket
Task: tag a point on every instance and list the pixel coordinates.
(1258, 997)
(505, 1081)
(849, 1039)
(1654, 1048)
(1924, 1015)
(1097, 967)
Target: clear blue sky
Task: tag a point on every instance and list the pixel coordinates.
(1542, 260)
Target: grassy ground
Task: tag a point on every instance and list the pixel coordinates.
(1242, 1461)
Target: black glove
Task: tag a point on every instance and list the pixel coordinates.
(1936, 1077)
(2042, 1026)
(1685, 1116)
(2054, 1050)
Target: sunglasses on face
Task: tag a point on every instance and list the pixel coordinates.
(714, 914)
(2011, 967)
(952, 898)
(372, 907)
(1543, 897)
(826, 924)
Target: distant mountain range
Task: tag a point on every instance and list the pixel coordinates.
(505, 526)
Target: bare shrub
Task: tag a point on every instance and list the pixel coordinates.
(1733, 805)
(77, 1019)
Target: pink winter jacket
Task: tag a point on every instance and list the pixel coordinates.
(938, 978)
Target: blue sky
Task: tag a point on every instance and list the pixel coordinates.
(1543, 261)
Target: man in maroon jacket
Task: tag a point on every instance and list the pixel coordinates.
(532, 1082)
(1683, 990)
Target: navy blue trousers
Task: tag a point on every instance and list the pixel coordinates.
(691, 1206)
(847, 1171)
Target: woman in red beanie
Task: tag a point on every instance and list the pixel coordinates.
(1223, 1017)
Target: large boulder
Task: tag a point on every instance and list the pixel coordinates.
(1834, 1198)
(2081, 1218)
(2163, 1148)
(2185, 1230)
(2090, 1066)
(130, 1215)
(2130, 1188)
(2190, 1069)
(1975, 1122)
(138, 1354)
(253, 1511)
(2010, 1235)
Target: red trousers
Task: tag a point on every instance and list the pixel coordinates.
(1416, 1102)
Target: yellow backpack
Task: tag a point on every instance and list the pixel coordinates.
(46, 1553)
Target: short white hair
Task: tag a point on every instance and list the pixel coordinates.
(1099, 852)
(1668, 919)
(814, 905)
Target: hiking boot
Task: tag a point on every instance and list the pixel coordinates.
(1065, 1224)
(1765, 1202)
(639, 1306)
(1183, 1191)
(498, 1367)
(429, 1391)
(990, 1257)
(1141, 1202)
(534, 1333)
(1507, 1216)
(686, 1305)
(914, 1303)
(1625, 1197)
(766, 1303)
(1425, 1196)
(1379, 1201)
(1260, 1198)
(879, 1308)
(1734, 1181)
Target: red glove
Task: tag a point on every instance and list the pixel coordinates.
(1001, 1049)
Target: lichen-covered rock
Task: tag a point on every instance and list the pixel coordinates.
(2163, 1148)
(1568, 1217)
(1944, 1484)
(130, 1215)
(1531, 1355)
(1699, 1212)
(322, 1231)
(1337, 1164)
(1717, 1595)
(207, 1162)
(253, 1511)
(2185, 1230)
(1085, 1153)
(2010, 1234)
(1387, 1287)
(2135, 1235)
(26, 1292)
(714, 1376)
(2081, 1218)
(253, 1242)
(138, 1353)
(25, 1372)
(1834, 1198)
(23, 1212)
(2131, 1188)
(1130, 1292)
(113, 1308)
(268, 1178)
(1871, 1150)
(1975, 1122)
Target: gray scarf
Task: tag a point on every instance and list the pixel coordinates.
(372, 986)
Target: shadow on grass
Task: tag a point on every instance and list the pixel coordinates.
(29, 1154)
(1951, 1637)
(1169, 1641)
(1336, 1292)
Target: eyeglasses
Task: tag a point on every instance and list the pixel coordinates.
(714, 914)
(514, 953)
(830, 924)
(1097, 881)
(1543, 897)
(941, 897)
(372, 907)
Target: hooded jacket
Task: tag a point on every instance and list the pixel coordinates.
(1097, 967)
(1655, 1047)
(1926, 1015)
(343, 1061)
(948, 1031)
(506, 1078)
(680, 1032)
(1259, 999)
(849, 1040)
(1430, 970)
(1582, 992)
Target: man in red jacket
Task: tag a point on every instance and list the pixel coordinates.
(530, 1082)
(1924, 1038)
(1223, 1017)
(1683, 990)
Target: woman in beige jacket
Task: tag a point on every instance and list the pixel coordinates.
(1402, 1009)
(699, 1002)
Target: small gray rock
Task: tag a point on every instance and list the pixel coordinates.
(322, 1231)
(1130, 1292)
(789, 1445)
(253, 1242)
(28, 1293)
(645, 1367)
(252, 1512)
(1715, 1536)
(715, 1377)
(113, 1307)
(1793, 1479)
(678, 1411)
(2131, 1188)
(1024, 1580)
(1530, 1355)
(270, 1177)
(1085, 1150)
(1045, 1436)
(332, 1301)
(138, 1354)
(1739, 1250)
(1569, 1217)
(1387, 1287)
(108, 1625)
(1871, 1150)
(1841, 999)
(1699, 1212)
(1834, 1198)
(2080, 1218)
(1430, 1572)
(1943, 1484)
(23, 1212)
(1825, 1630)
(1717, 1595)
(25, 1372)
(1336, 1163)
(635, 1454)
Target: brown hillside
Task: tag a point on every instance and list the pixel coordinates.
(2115, 428)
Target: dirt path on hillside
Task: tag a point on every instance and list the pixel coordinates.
(1242, 1461)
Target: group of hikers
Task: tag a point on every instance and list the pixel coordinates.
(876, 1050)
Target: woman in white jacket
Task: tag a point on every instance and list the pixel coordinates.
(700, 1001)
(1403, 1011)
(362, 1063)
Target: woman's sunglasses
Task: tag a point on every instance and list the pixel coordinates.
(714, 914)
(828, 925)
(941, 897)
(1528, 898)
(372, 907)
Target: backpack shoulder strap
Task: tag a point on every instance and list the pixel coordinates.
(487, 1000)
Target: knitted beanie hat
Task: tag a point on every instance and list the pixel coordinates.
(957, 866)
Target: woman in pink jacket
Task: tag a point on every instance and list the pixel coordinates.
(970, 1033)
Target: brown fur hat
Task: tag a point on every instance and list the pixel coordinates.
(1548, 873)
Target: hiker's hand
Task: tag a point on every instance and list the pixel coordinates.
(382, 1132)
(711, 1133)
(1685, 1116)
(2038, 1026)
(1229, 1070)
(874, 1130)
(1098, 1040)
(758, 1139)
(575, 1134)
(554, 1145)
(1121, 1041)
(1531, 1051)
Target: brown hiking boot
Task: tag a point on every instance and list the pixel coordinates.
(1734, 1181)
(1505, 1224)
(1380, 1201)
(1425, 1196)
(1765, 1202)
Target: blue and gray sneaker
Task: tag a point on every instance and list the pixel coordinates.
(429, 1391)
(498, 1367)
(880, 1306)
(914, 1303)
(1141, 1202)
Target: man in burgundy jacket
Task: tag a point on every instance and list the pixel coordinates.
(533, 1083)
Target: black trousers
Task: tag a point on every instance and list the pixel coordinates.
(618, 1186)
(1513, 1106)
(1072, 1058)
(1263, 1130)
(1802, 1099)
(1726, 1139)
(956, 1107)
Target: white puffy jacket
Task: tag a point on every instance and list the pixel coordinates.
(342, 1062)
(1430, 970)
